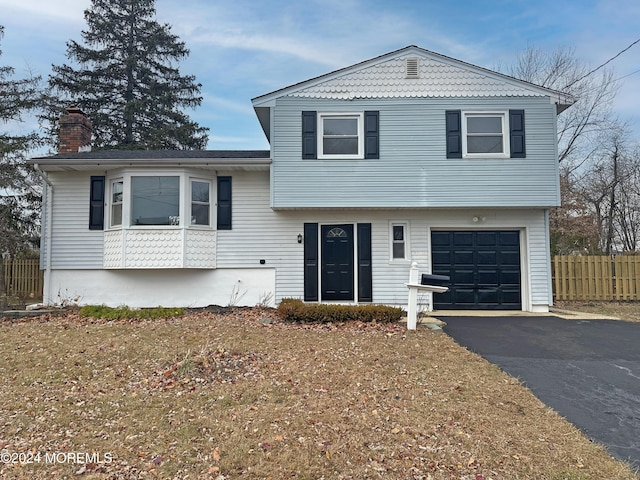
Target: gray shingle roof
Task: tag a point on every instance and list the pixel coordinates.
(159, 154)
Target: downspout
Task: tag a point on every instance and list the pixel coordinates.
(547, 231)
(46, 294)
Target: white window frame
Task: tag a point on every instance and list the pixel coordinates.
(111, 203)
(174, 221)
(392, 241)
(359, 116)
(192, 202)
(183, 220)
(504, 117)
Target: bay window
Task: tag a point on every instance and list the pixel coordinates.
(168, 199)
(164, 218)
(155, 200)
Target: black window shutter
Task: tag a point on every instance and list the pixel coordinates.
(371, 135)
(516, 131)
(310, 262)
(96, 203)
(365, 280)
(224, 203)
(454, 133)
(309, 135)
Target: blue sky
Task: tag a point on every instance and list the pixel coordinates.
(241, 49)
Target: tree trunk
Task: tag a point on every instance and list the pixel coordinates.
(612, 203)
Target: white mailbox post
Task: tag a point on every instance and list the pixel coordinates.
(414, 286)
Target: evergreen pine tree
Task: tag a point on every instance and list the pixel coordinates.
(127, 82)
(19, 184)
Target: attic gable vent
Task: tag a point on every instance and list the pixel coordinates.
(412, 68)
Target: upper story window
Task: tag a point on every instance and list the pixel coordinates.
(335, 135)
(340, 135)
(155, 200)
(483, 134)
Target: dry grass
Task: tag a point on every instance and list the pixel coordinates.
(629, 311)
(225, 397)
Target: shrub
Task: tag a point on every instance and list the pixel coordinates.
(295, 310)
(109, 313)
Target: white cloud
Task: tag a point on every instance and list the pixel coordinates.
(209, 100)
(331, 35)
(265, 43)
(65, 10)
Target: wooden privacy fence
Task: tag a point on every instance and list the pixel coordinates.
(23, 278)
(593, 277)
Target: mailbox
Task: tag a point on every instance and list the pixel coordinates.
(437, 280)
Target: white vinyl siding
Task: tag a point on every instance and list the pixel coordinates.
(260, 233)
(73, 245)
(413, 170)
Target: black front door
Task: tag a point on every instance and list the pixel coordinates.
(337, 262)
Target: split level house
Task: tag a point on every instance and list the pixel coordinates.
(408, 157)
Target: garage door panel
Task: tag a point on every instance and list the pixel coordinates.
(487, 238)
(484, 267)
(510, 278)
(465, 296)
(462, 239)
(510, 258)
(487, 258)
(461, 277)
(463, 258)
(442, 257)
(491, 277)
(510, 239)
(511, 296)
(441, 239)
(488, 296)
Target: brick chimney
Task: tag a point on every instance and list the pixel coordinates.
(75, 132)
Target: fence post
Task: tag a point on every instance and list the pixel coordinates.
(3, 290)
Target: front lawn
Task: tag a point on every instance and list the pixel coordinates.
(234, 395)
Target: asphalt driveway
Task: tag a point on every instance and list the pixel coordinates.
(586, 370)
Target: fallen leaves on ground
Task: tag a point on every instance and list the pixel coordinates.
(226, 394)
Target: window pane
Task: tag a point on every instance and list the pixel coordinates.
(484, 124)
(154, 200)
(398, 249)
(398, 232)
(340, 146)
(116, 204)
(340, 126)
(484, 144)
(199, 214)
(116, 215)
(116, 192)
(200, 192)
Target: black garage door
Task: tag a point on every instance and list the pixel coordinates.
(484, 267)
